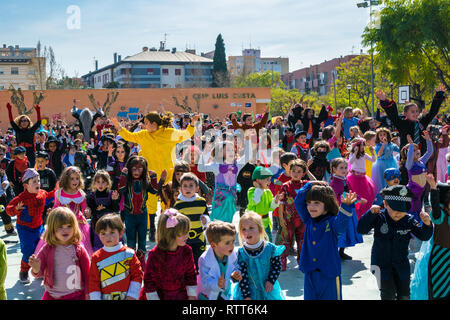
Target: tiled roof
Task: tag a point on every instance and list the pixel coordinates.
(166, 56)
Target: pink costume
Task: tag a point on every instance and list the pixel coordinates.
(360, 183)
(77, 203)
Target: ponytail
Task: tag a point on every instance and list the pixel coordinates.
(165, 121)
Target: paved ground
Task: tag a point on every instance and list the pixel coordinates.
(358, 283)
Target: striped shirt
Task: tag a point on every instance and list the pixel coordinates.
(193, 208)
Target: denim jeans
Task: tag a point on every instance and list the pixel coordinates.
(136, 230)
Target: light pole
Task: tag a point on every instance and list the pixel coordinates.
(365, 4)
(349, 87)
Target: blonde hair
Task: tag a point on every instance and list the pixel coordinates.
(101, 174)
(166, 236)
(64, 180)
(57, 218)
(255, 218)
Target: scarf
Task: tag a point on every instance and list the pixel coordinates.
(21, 165)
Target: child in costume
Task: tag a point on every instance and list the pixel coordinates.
(276, 185)
(411, 124)
(259, 262)
(170, 270)
(417, 169)
(63, 262)
(55, 150)
(70, 194)
(135, 183)
(300, 148)
(16, 169)
(385, 157)
(194, 207)
(291, 224)
(431, 280)
(117, 159)
(4, 197)
(115, 272)
(225, 169)
(101, 200)
(441, 163)
(260, 198)
(28, 206)
(393, 228)
(370, 137)
(218, 268)
(348, 121)
(47, 176)
(171, 190)
(392, 177)
(357, 180)
(332, 135)
(339, 169)
(319, 165)
(324, 221)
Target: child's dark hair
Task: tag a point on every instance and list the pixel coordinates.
(287, 157)
(388, 134)
(125, 147)
(110, 220)
(133, 161)
(324, 193)
(326, 132)
(321, 144)
(180, 166)
(336, 162)
(217, 229)
(189, 176)
(299, 163)
(245, 116)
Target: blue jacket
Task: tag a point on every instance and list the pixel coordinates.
(320, 241)
(391, 240)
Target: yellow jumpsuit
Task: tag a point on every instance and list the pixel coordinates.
(158, 148)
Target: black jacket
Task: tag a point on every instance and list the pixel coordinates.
(391, 240)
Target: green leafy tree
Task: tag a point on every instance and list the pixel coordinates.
(356, 73)
(267, 79)
(413, 43)
(220, 71)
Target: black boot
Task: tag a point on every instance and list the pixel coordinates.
(343, 255)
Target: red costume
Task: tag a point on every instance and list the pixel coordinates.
(114, 274)
(171, 274)
(294, 224)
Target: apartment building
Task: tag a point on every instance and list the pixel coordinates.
(20, 67)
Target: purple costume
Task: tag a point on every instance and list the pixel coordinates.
(416, 176)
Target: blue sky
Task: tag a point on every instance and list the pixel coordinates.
(306, 31)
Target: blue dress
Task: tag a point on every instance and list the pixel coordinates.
(385, 161)
(258, 269)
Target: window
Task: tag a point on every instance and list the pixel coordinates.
(31, 87)
(165, 72)
(178, 72)
(31, 71)
(1, 71)
(150, 71)
(2, 87)
(14, 70)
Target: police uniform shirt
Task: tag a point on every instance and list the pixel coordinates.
(391, 240)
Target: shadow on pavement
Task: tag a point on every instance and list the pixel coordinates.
(31, 291)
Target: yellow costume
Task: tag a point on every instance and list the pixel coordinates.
(158, 148)
(369, 163)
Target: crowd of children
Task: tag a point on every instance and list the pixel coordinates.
(85, 205)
